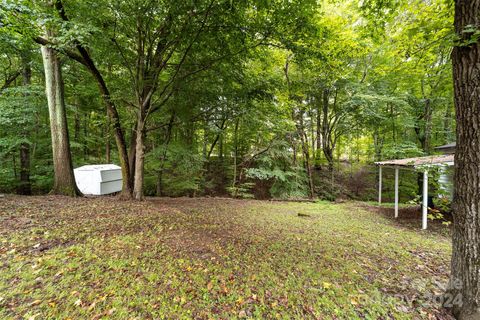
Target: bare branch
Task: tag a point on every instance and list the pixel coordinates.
(10, 78)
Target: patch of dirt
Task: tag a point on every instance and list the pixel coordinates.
(50, 244)
(409, 218)
(203, 230)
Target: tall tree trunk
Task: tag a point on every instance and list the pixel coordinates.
(139, 157)
(465, 277)
(131, 153)
(235, 155)
(25, 186)
(424, 137)
(64, 180)
(163, 158)
(378, 145)
(311, 115)
(217, 139)
(205, 137)
(319, 135)
(328, 153)
(394, 126)
(119, 139)
(87, 61)
(428, 125)
(220, 148)
(326, 131)
(306, 153)
(107, 140)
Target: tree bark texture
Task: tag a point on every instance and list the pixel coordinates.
(64, 180)
(139, 157)
(306, 153)
(465, 277)
(327, 131)
(319, 134)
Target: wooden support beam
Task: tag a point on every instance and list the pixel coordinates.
(379, 185)
(396, 192)
(425, 200)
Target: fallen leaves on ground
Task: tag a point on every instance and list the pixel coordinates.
(100, 258)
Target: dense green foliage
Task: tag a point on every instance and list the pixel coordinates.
(272, 98)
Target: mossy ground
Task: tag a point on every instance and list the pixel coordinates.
(101, 258)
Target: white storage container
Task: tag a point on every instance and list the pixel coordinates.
(99, 179)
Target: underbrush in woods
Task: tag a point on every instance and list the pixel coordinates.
(99, 258)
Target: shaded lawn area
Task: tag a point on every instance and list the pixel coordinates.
(100, 258)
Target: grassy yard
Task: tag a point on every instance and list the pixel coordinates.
(101, 258)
